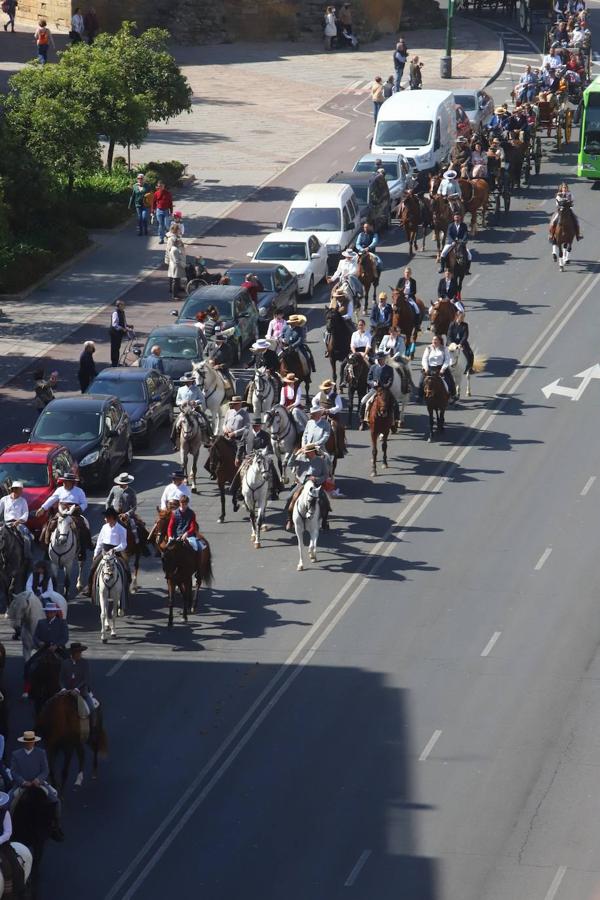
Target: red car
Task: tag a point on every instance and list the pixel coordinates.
(39, 467)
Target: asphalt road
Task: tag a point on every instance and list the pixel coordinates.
(417, 714)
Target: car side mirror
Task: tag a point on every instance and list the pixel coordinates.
(314, 255)
(26, 430)
(279, 225)
(352, 225)
(250, 255)
(174, 312)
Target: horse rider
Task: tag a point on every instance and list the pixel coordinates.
(366, 242)
(258, 439)
(189, 394)
(381, 314)
(447, 288)
(458, 333)
(51, 633)
(14, 511)
(174, 490)
(310, 462)
(123, 498)
(407, 285)
(29, 768)
(112, 536)
(213, 322)
(235, 426)
(265, 357)
(331, 401)
(460, 158)
(347, 268)
(497, 154)
(183, 525)
(498, 124)
(450, 189)
(292, 398)
(75, 677)
(381, 375)
(393, 344)
(436, 357)
(40, 582)
(293, 336)
(276, 327)
(69, 498)
(479, 161)
(457, 233)
(318, 428)
(13, 873)
(563, 196)
(222, 358)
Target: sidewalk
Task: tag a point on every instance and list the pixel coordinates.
(256, 109)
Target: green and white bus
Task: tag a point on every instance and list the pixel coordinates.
(588, 161)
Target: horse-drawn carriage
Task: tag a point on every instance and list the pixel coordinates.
(555, 118)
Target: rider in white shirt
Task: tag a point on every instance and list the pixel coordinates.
(111, 534)
(174, 490)
(13, 508)
(436, 356)
(393, 344)
(66, 495)
(347, 267)
(450, 188)
(190, 392)
(361, 340)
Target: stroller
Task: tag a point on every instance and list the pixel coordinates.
(197, 274)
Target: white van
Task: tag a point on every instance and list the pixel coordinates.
(330, 211)
(419, 124)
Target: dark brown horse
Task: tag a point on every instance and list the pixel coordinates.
(61, 727)
(563, 233)
(458, 263)
(134, 549)
(221, 465)
(404, 319)
(337, 338)
(475, 194)
(411, 218)
(436, 398)
(291, 360)
(441, 315)
(368, 275)
(357, 370)
(441, 216)
(381, 421)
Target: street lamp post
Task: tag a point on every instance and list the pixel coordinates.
(446, 61)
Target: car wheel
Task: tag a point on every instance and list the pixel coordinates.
(311, 288)
(127, 459)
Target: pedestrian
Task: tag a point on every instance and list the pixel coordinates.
(330, 27)
(162, 208)
(176, 270)
(91, 25)
(43, 38)
(173, 234)
(388, 88)
(400, 57)
(44, 388)
(344, 23)
(87, 367)
(77, 29)
(10, 8)
(415, 76)
(253, 285)
(118, 329)
(153, 361)
(377, 96)
(178, 219)
(141, 201)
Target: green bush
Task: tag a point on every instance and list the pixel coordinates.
(25, 261)
(170, 172)
(152, 177)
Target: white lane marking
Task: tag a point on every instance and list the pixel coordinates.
(491, 644)
(430, 745)
(587, 485)
(118, 664)
(543, 558)
(352, 149)
(556, 882)
(472, 281)
(175, 821)
(357, 868)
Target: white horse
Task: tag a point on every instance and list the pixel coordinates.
(25, 858)
(306, 516)
(24, 613)
(213, 385)
(255, 491)
(401, 385)
(262, 392)
(194, 431)
(110, 587)
(63, 550)
(457, 370)
(285, 433)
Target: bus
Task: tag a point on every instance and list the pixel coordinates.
(588, 161)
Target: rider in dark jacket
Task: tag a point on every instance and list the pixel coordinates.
(380, 375)
(458, 333)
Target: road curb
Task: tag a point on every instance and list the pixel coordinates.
(500, 69)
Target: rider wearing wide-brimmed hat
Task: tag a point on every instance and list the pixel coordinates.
(450, 189)
(310, 461)
(294, 335)
(265, 355)
(292, 398)
(68, 496)
(29, 767)
(236, 425)
(123, 498)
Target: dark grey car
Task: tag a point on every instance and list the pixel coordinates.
(180, 346)
(373, 196)
(280, 289)
(146, 396)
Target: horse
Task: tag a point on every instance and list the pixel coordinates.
(441, 216)
(64, 550)
(262, 391)
(181, 564)
(457, 372)
(255, 485)
(12, 560)
(381, 421)
(404, 319)
(357, 370)
(475, 194)
(337, 338)
(64, 730)
(306, 516)
(401, 385)
(411, 217)
(291, 360)
(32, 824)
(368, 275)
(26, 611)
(563, 234)
(221, 464)
(436, 398)
(285, 435)
(215, 390)
(44, 678)
(135, 548)
(458, 263)
(110, 588)
(441, 315)
(194, 432)
(349, 289)
(25, 859)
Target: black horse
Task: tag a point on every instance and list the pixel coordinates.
(458, 263)
(13, 572)
(357, 370)
(337, 338)
(32, 824)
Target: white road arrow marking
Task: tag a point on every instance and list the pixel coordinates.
(586, 376)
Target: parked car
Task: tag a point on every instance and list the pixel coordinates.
(300, 252)
(95, 430)
(478, 105)
(280, 289)
(145, 394)
(180, 346)
(39, 467)
(372, 194)
(237, 312)
(397, 171)
(463, 123)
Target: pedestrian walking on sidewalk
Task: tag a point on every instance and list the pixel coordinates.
(77, 27)
(10, 8)
(388, 88)
(43, 38)
(91, 25)
(118, 329)
(415, 77)
(176, 270)
(141, 201)
(377, 95)
(330, 27)
(162, 207)
(44, 388)
(400, 58)
(87, 367)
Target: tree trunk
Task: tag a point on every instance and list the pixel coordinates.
(70, 181)
(111, 153)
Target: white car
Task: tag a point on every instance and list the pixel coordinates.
(299, 251)
(397, 171)
(478, 105)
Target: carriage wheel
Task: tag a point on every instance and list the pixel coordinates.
(568, 125)
(538, 155)
(558, 135)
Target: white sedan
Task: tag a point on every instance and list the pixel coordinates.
(300, 252)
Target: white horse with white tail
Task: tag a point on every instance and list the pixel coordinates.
(26, 610)
(262, 392)
(194, 432)
(255, 491)
(63, 551)
(401, 385)
(110, 590)
(306, 516)
(215, 391)
(479, 364)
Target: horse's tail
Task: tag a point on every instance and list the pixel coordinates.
(101, 742)
(206, 572)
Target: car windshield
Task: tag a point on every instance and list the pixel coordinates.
(173, 346)
(314, 219)
(238, 278)
(132, 391)
(390, 168)
(31, 474)
(403, 134)
(467, 101)
(68, 425)
(282, 250)
(200, 304)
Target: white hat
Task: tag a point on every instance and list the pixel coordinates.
(17, 484)
(29, 737)
(124, 478)
(261, 344)
(187, 377)
(349, 254)
(315, 406)
(450, 174)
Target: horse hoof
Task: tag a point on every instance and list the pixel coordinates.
(300, 567)
(554, 257)
(469, 394)
(221, 519)
(257, 545)
(79, 780)
(373, 473)
(384, 466)
(105, 640)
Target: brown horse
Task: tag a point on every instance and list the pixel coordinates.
(403, 318)
(221, 465)
(64, 731)
(441, 315)
(134, 548)
(291, 360)
(411, 217)
(368, 275)
(441, 216)
(562, 234)
(181, 564)
(337, 338)
(357, 370)
(381, 421)
(475, 194)
(436, 398)
(336, 442)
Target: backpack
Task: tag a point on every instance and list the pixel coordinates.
(148, 199)
(5, 7)
(42, 37)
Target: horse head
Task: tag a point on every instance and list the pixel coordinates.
(64, 526)
(261, 461)
(189, 422)
(311, 498)
(433, 384)
(19, 607)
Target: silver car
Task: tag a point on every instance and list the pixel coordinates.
(478, 105)
(398, 172)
